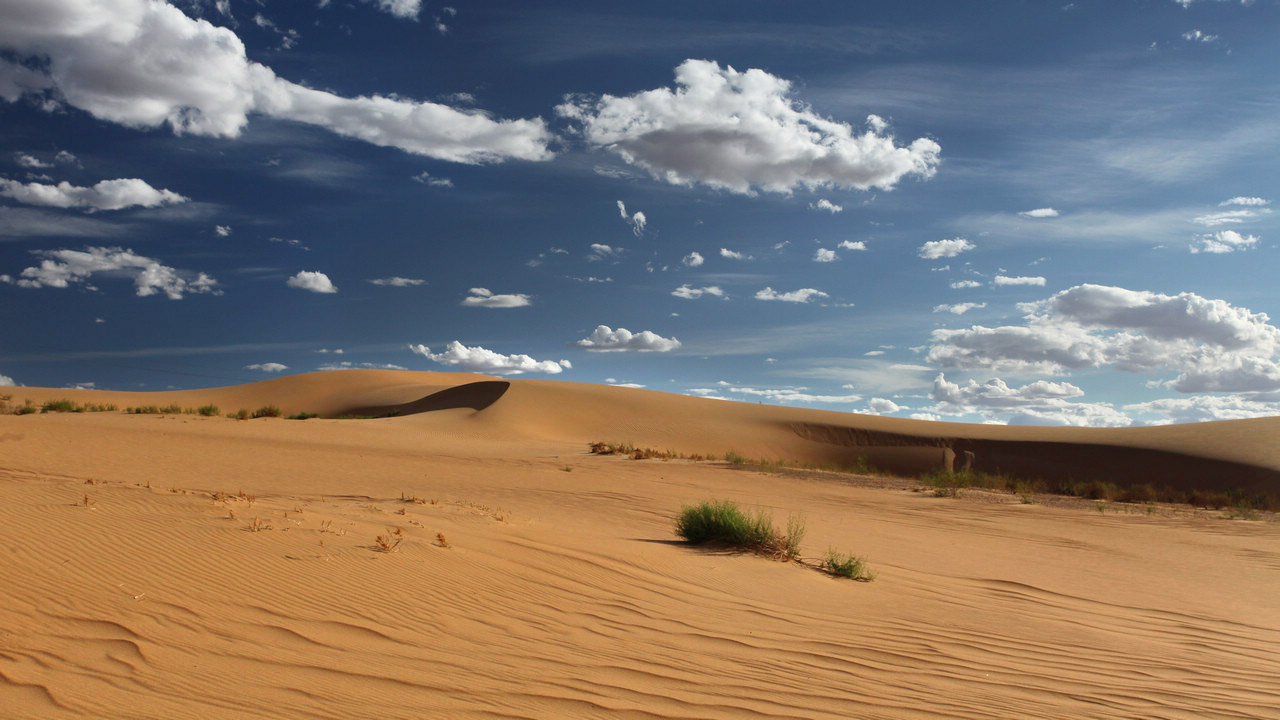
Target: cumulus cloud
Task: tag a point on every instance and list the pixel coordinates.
(1040, 213)
(825, 204)
(693, 293)
(637, 220)
(1020, 280)
(1205, 408)
(222, 230)
(740, 131)
(6, 381)
(852, 245)
(693, 259)
(270, 367)
(478, 359)
(63, 268)
(406, 9)
(1211, 344)
(790, 395)
(803, 295)
(600, 251)
(962, 284)
(733, 254)
(1223, 242)
(28, 161)
(396, 281)
(348, 365)
(482, 297)
(316, 282)
(935, 249)
(1240, 200)
(144, 64)
(606, 339)
(106, 195)
(1038, 403)
(823, 255)
(959, 308)
(881, 406)
(428, 179)
(1199, 36)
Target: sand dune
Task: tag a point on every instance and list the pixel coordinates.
(183, 566)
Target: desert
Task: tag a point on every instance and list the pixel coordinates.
(177, 565)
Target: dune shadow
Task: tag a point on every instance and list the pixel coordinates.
(476, 396)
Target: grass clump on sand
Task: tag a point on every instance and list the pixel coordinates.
(208, 410)
(268, 411)
(846, 565)
(723, 521)
(304, 416)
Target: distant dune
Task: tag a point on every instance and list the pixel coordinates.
(183, 566)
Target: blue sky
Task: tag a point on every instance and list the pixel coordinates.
(1021, 212)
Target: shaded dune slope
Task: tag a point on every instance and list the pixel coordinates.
(1240, 454)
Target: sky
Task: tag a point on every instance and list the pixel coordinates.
(1016, 212)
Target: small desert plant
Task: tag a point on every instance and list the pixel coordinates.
(208, 410)
(60, 406)
(172, 409)
(144, 410)
(389, 542)
(267, 411)
(723, 521)
(411, 499)
(241, 414)
(27, 408)
(441, 541)
(735, 458)
(846, 565)
(304, 416)
(257, 525)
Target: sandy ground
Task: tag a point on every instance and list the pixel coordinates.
(183, 566)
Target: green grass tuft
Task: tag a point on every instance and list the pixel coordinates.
(723, 521)
(267, 411)
(304, 416)
(208, 410)
(846, 565)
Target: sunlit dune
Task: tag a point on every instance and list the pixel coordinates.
(179, 565)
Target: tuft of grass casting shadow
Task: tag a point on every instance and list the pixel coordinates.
(723, 521)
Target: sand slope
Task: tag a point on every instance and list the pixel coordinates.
(562, 592)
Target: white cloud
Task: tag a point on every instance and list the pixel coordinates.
(478, 359)
(1199, 36)
(959, 308)
(1205, 408)
(637, 221)
(270, 367)
(692, 293)
(6, 381)
(881, 406)
(1021, 280)
(852, 245)
(106, 195)
(935, 249)
(962, 284)
(733, 255)
(1212, 345)
(348, 365)
(405, 9)
(1038, 403)
(600, 252)
(693, 259)
(144, 64)
(1223, 242)
(337, 351)
(316, 282)
(1230, 217)
(63, 268)
(222, 230)
(606, 339)
(482, 297)
(803, 295)
(824, 255)
(426, 178)
(1040, 213)
(291, 242)
(791, 395)
(825, 204)
(739, 131)
(28, 161)
(1240, 200)
(396, 281)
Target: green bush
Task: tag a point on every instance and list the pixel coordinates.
(241, 414)
(304, 416)
(208, 410)
(60, 406)
(267, 411)
(723, 521)
(846, 565)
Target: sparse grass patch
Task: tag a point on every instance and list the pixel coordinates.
(257, 525)
(389, 542)
(267, 411)
(304, 416)
(68, 406)
(241, 414)
(208, 410)
(723, 521)
(846, 565)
